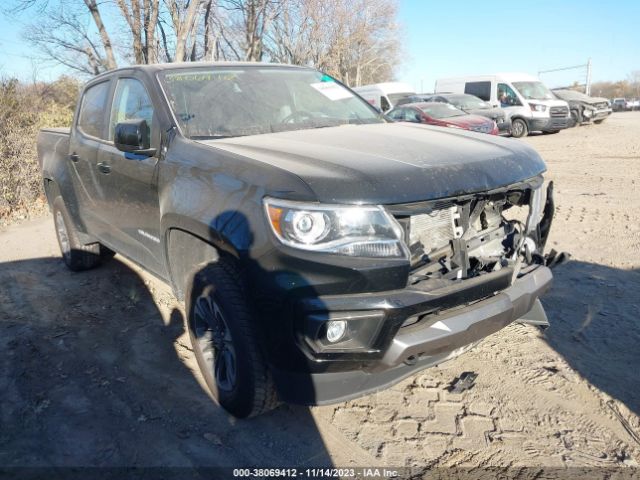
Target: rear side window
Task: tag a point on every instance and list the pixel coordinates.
(479, 89)
(130, 102)
(92, 110)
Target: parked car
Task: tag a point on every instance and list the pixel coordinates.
(323, 252)
(443, 115)
(473, 105)
(414, 98)
(528, 103)
(583, 108)
(384, 96)
(620, 105)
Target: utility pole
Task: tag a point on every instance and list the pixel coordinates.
(587, 89)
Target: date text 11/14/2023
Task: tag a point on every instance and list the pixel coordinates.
(368, 473)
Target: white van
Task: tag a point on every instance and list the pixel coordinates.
(384, 95)
(527, 101)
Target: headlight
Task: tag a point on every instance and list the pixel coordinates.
(358, 231)
(537, 107)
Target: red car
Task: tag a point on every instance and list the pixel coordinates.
(443, 115)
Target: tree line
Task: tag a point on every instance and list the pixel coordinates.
(356, 41)
(629, 88)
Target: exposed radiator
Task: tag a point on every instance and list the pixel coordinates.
(436, 228)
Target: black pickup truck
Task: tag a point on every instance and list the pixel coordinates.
(322, 251)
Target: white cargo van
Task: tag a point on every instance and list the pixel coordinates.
(527, 101)
(384, 95)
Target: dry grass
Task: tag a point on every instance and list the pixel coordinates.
(24, 109)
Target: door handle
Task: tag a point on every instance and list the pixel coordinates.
(74, 157)
(104, 167)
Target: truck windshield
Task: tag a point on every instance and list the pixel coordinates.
(534, 90)
(229, 102)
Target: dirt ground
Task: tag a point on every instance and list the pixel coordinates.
(96, 368)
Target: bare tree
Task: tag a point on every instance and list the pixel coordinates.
(110, 60)
(142, 18)
(354, 40)
(64, 38)
(183, 16)
(250, 20)
(63, 35)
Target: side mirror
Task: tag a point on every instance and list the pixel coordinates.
(132, 136)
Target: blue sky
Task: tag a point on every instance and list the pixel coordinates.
(449, 38)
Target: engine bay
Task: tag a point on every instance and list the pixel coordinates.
(470, 236)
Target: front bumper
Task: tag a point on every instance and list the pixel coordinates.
(504, 127)
(600, 114)
(550, 124)
(435, 338)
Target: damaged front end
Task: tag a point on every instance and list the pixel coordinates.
(498, 234)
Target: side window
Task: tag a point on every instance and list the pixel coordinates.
(479, 89)
(92, 110)
(384, 104)
(506, 96)
(130, 101)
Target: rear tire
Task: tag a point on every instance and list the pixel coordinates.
(76, 256)
(225, 343)
(519, 128)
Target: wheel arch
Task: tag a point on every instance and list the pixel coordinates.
(189, 244)
(524, 119)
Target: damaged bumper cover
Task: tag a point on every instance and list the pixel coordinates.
(435, 338)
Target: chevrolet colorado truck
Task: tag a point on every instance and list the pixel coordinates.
(322, 251)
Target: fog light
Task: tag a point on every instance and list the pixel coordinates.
(335, 330)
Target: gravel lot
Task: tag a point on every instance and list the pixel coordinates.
(96, 369)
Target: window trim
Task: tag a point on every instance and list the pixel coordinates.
(76, 123)
(113, 98)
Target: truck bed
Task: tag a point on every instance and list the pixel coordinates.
(53, 148)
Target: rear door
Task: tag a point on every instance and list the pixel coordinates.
(88, 134)
(130, 181)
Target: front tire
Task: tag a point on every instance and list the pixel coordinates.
(519, 128)
(76, 256)
(577, 117)
(225, 343)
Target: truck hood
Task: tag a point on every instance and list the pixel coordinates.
(390, 163)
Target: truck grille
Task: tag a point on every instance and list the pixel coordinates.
(559, 112)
